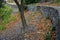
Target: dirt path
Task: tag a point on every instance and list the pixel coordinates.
(35, 31)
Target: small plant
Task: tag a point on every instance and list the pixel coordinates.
(2, 27)
(48, 36)
(5, 12)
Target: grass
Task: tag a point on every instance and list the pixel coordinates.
(6, 21)
(2, 27)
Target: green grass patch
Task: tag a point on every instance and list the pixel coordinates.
(48, 36)
(2, 27)
(6, 21)
(5, 16)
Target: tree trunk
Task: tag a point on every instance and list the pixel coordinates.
(21, 9)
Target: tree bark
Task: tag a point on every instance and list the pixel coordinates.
(21, 9)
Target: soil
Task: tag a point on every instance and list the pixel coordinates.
(36, 26)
